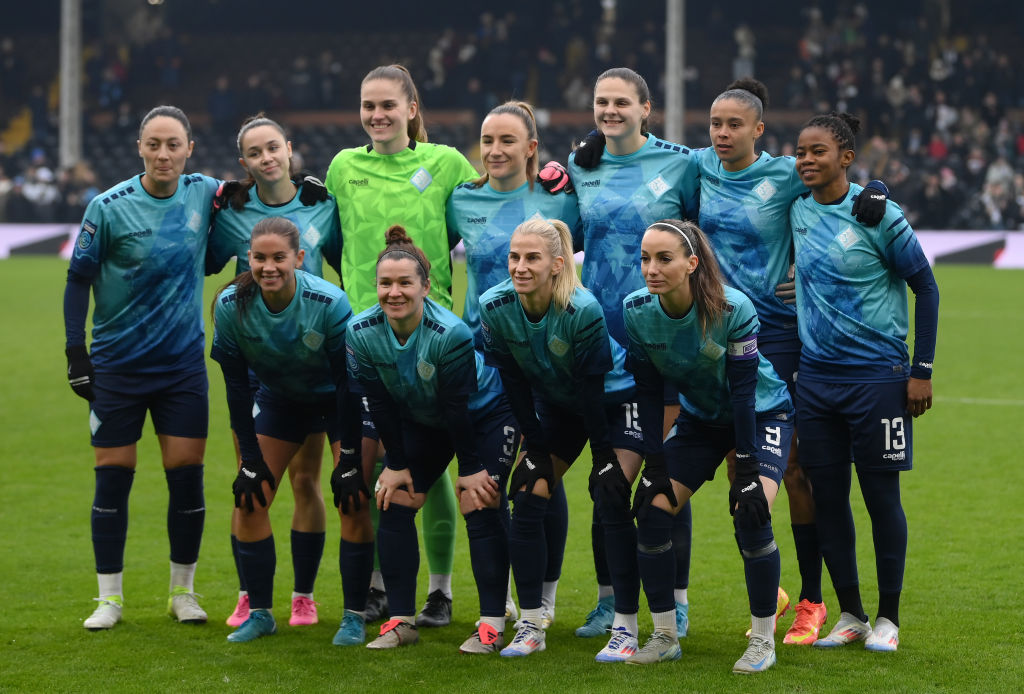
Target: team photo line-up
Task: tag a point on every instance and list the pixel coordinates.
(711, 277)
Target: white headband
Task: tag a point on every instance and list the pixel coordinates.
(681, 233)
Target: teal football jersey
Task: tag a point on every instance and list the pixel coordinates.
(695, 364)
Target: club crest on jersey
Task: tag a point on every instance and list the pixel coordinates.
(765, 190)
(558, 346)
(421, 179)
(425, 369)
(86, 236)
(712, 350)
(847, 238)
(194, 221)
(658, 186)
(313, 339)
(311, 236)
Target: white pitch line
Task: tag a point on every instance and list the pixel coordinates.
(981, 401)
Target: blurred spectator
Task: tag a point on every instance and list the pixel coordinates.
(222, 105)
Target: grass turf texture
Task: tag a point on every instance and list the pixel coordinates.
(961, 610)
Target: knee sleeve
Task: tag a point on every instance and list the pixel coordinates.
(755, 543)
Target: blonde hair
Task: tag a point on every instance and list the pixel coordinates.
(558, 241)
(524, 112)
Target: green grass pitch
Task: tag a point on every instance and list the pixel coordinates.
(962, 606)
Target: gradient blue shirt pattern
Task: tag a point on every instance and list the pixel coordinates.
(319, 232)
(851, 291)
(745, 215)
(695, 364)
(484, 219)
(438, 357)
(557, 349)
(618, 200)
(295, 353)
(144, 257)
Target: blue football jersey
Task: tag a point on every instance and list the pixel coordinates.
(144, 257)
(694, 363)
(618, 200)
(558, 348)
(438, 356)
(296, 353)
(851, 291)
(745, 215)
(484, 219)
(319, 232)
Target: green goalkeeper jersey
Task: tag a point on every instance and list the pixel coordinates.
(375, 191)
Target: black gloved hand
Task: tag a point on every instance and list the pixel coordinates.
(80, 372)
(607, 480)
(653, 481)
(347, 483)
(225, 192)
(249, 483)
(746, 495)
(869, 204)
(534, 466)
(313, 189)
(554, 178)
(588, 154)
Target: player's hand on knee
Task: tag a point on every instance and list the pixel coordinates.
(249, 484)
(81, 375)
(535, 465)
(747, 501)
(653, 481)
(348, 484)
(388, 482)
(481, 487)
(607, 480)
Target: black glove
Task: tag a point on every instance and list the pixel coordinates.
(80, 372)
(653, 481)
(534, 466)
(607, 477)
(249, 483)
(746, 495)
(225, 192)
(869, 204)
(588, 154)
(554, 178)
(313, 189)
(347, 483)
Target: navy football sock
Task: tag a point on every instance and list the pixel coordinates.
(808, 558)
(604, 576)
(399, 553)
(556, 529)
(620, 545)
(238, 563)
(881, 492)
(836, 533)
(655, 558)
(682, 538)
(355, 562)
(527, 548)
(259, 560)
(307, 550)
(488, 554)
(186, 512)
(761, 568)
(109, 518)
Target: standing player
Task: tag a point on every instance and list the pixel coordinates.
(691, 331)
(483, 214)
(265, 153)
(288, 328)
(431, 396)
(400, 178)
(566, 382)
(626, 179)
(856, 382)
(141, 252)
(744, 211)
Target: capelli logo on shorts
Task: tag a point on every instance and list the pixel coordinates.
(895, 457)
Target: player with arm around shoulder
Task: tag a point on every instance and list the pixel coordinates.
(268, 190)
(431, 396)
(483, 214)
(566, 383)
(690, 330)
(140, 252)
(288, 328)
(627, 179)
(857, 383)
